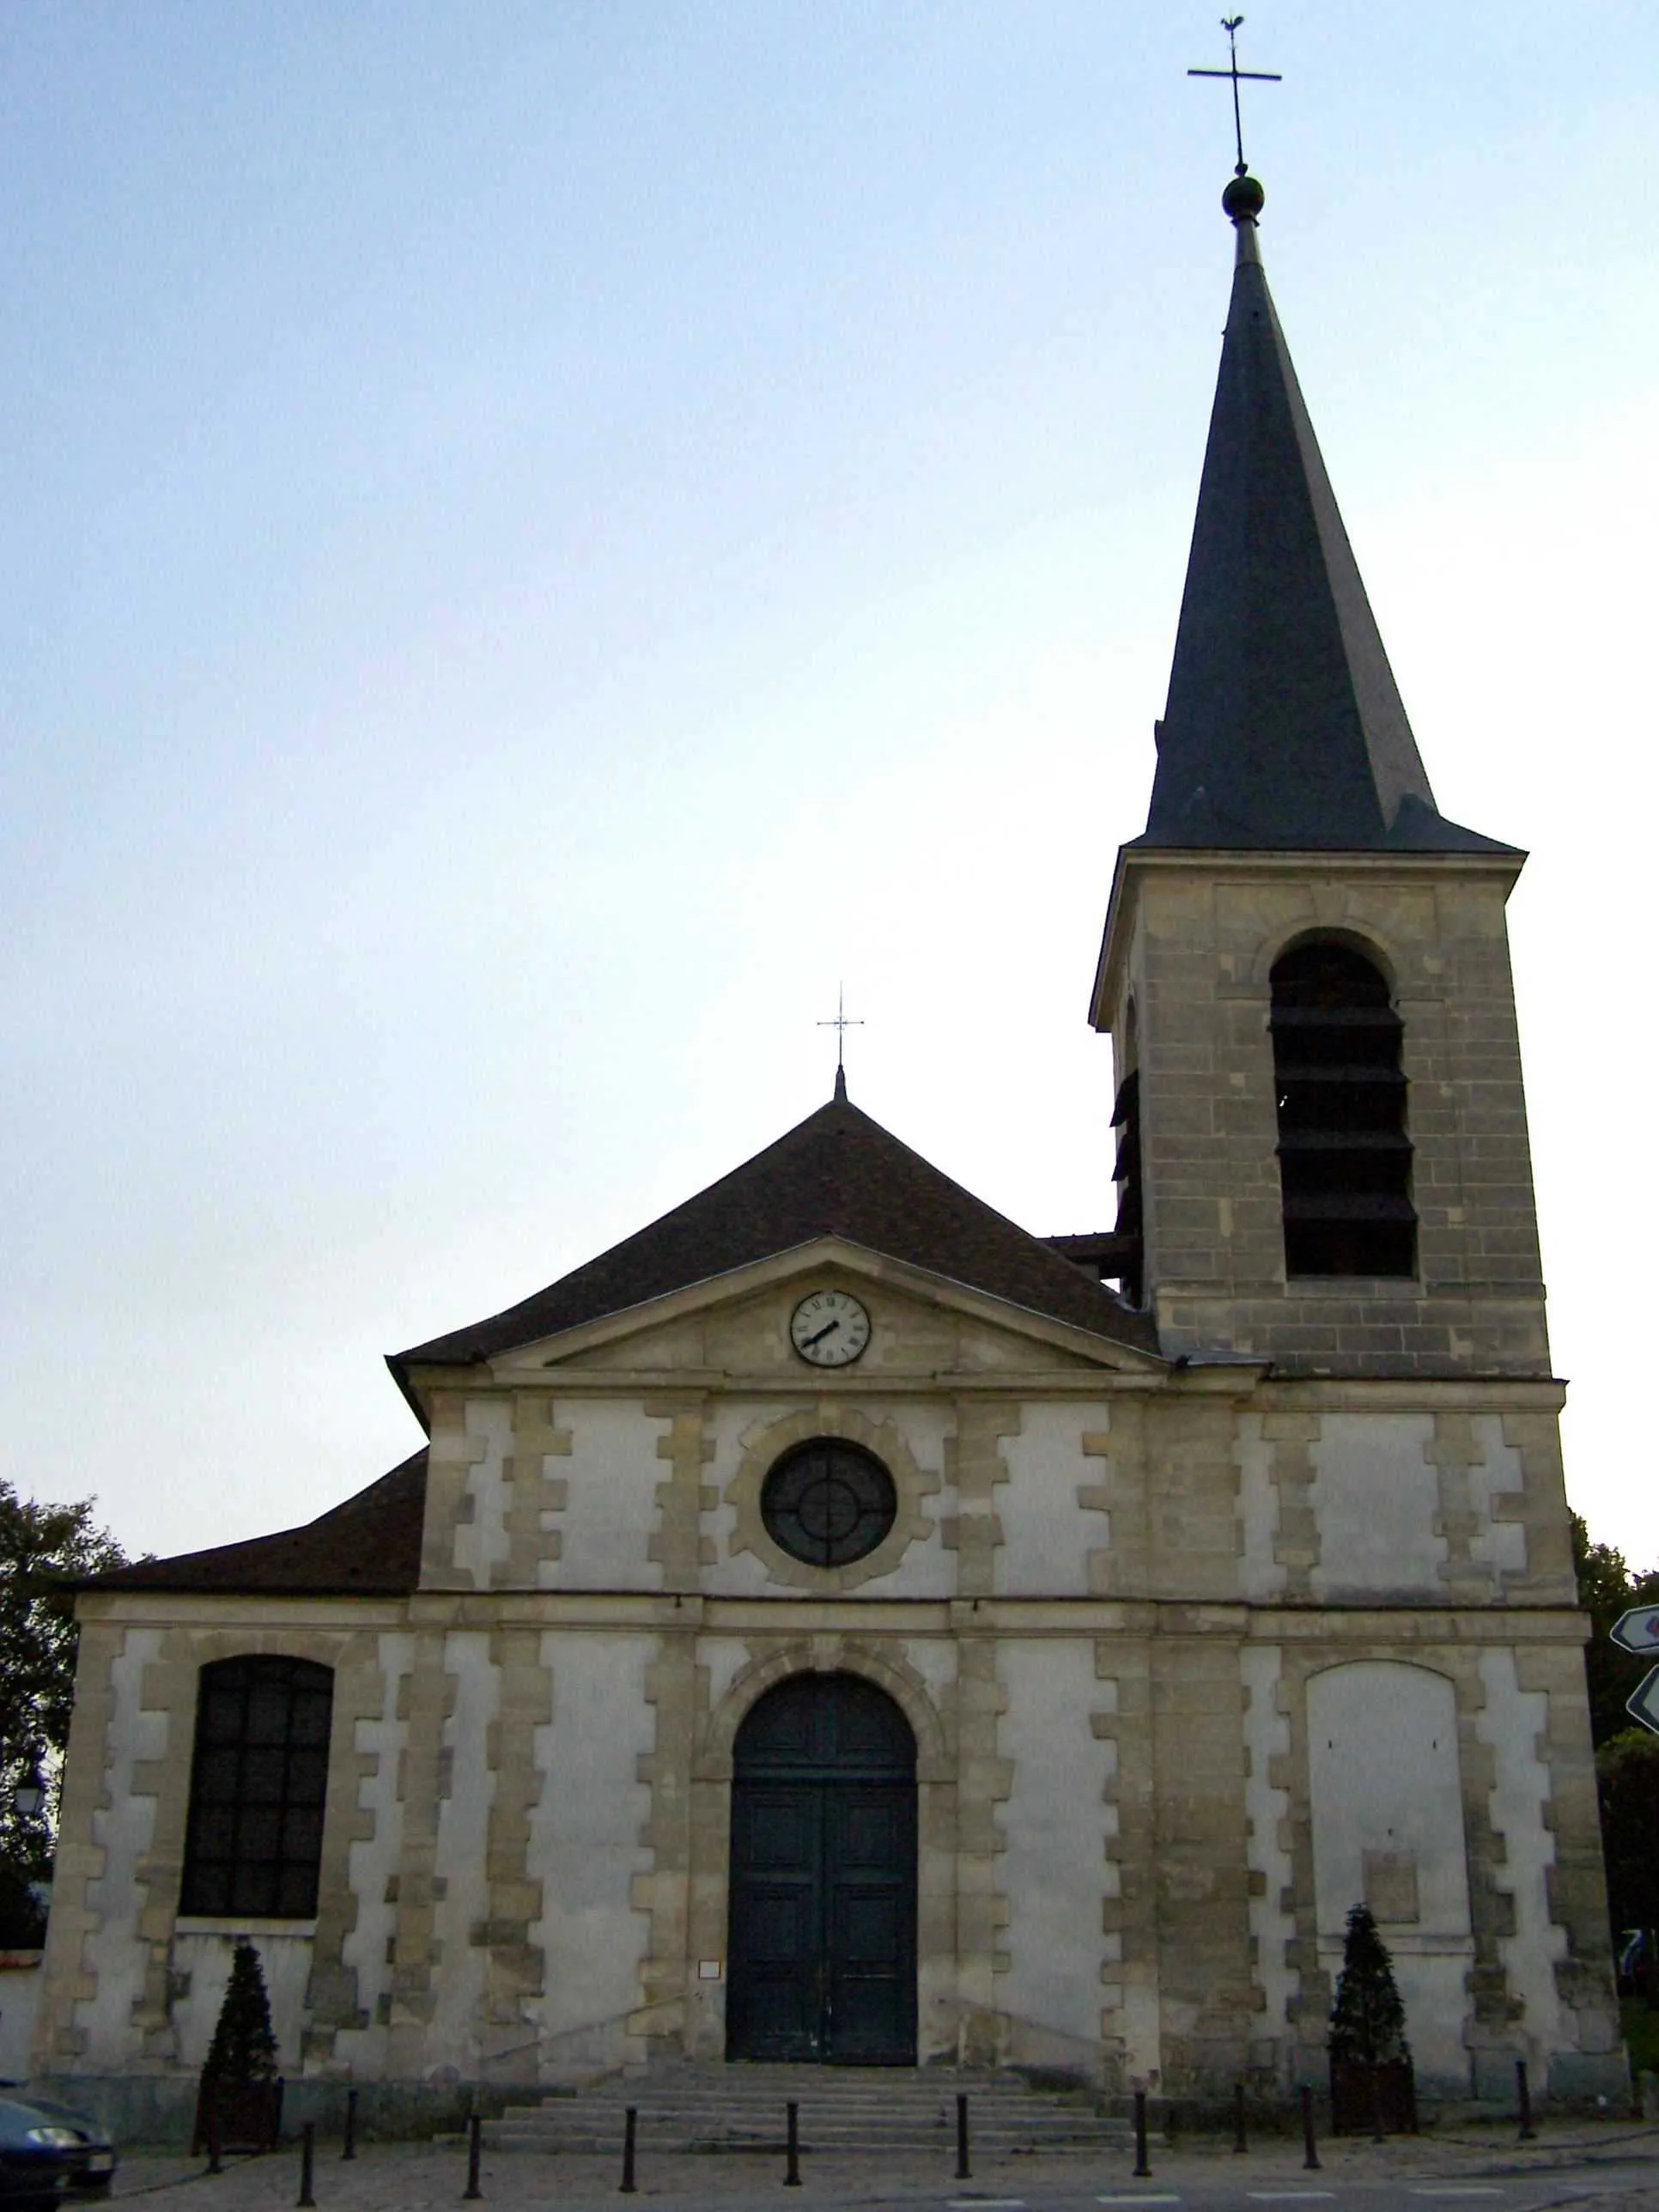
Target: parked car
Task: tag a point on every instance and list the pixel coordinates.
(50, 2154)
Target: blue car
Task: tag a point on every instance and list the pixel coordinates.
(49, 2154)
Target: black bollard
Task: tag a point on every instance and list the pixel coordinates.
(307, 2159)
(474, 2153)
(1143, 2169)
(216, 2154)
(792, 2148)
(1378, 2133)
(1239, 2144)
(962, 2170)
(630, 2121)
(349, 2147)
(1170, 2126)
(1528, 2133)
(1310, 2149)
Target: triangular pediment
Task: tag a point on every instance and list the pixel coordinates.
(840, 1176)
(736, 1328)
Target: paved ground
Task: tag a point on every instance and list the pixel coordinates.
(1593, 2169)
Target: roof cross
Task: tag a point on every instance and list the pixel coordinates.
(841, 1023)
(1230, 24)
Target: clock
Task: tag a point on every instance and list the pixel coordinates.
(829, 1329)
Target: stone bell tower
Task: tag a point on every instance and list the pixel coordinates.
(1322, 1155)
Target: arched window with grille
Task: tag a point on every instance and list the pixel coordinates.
(258, 1783)
(1345, 1160)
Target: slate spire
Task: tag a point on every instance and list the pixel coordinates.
(1285, 729)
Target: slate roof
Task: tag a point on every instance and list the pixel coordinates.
(836, 1174)
(370, 1547)
(1285, 729)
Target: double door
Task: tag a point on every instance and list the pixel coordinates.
(823, 1946)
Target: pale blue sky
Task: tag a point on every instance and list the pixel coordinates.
(535, 538)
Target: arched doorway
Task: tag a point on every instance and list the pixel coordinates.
(823, 1946)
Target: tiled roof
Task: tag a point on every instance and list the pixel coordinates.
(836, 1174)
(1285, 729)
(370, 1547)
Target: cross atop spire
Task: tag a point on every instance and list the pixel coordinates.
(841, 1023)
(1230, 24)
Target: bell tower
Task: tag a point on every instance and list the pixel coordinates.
(1322, 1155)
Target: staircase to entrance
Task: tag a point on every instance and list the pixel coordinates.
(852, 2109)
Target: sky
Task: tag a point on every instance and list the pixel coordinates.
(537, 540)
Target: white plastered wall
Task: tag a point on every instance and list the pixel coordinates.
(1376, 1498)
(1052, 1867)
(583, 1844)
(1384, 1778)
(1046, 1536)
(610, 1513)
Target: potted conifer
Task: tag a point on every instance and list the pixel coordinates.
(239, 2106)
(1373, 2088)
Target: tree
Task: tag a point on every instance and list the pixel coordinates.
(1606, 1588)
(43, 1548)
(244, 2047)
(1368, 2020)
(1627, 1785)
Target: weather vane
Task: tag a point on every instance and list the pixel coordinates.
(1230, 24)
(840, 1024)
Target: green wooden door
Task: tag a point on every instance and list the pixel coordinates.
(822, 1945)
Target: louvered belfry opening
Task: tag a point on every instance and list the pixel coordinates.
(1345, 1160)
(1129, 1230)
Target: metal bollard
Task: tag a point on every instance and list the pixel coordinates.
(1170, 2126)
(349, 2145)
(792, 2148)
(1379, 2134)
(963, 2169)
(1310, 2149)
(474, 2153)
(1239, 2144)
(630, 2121)
(1528, 2133)
(215, 2153)
(307, 2161)
(1143, 2170)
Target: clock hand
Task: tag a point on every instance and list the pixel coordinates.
(808, 1341)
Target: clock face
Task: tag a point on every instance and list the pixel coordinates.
(829, 1329)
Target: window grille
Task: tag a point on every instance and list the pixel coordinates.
(258, 1784)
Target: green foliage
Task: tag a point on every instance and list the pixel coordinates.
(1606, 1588)
(1627, 1784)
(1368, 2020)
(244, 2048)
(42, 1547)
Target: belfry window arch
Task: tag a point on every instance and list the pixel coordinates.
(1344, 1157)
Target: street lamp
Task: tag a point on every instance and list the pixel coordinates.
(29, 1797)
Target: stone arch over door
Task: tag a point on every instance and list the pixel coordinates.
(822, 1948)
(943, 1973)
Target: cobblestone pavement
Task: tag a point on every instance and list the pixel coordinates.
(1605, 2169)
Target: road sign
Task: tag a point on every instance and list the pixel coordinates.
(1643, 1700)
(1636, 1630)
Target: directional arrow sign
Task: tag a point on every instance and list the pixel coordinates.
(1644, 1701)
(1637, 1630)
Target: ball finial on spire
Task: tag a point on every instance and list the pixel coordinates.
(1244, 198)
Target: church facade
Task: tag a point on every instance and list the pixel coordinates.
(835, 1625)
